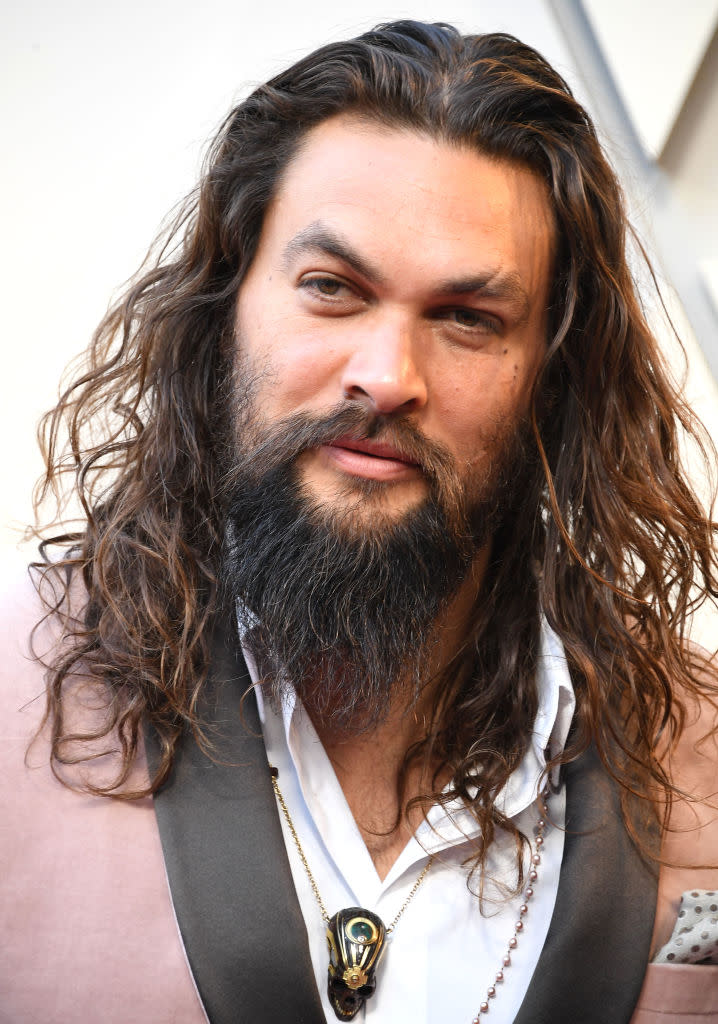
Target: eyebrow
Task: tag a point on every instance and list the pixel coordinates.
(320, 238)
(493, 284)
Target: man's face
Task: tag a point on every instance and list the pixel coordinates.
(388, 333)
(408, 278)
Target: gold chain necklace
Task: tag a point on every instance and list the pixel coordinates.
(356, 937)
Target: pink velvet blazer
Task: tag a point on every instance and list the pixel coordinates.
(87, 928)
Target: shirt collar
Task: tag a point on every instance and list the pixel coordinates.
(556, 704)
(453, 822)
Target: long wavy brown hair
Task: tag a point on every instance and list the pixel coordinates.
(610, 542)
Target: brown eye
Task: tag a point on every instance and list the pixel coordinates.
(327, 286)
(472, 319)
(467, 317)
(327, 295)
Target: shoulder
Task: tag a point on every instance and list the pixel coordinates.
(689, 851)
(22, 690)
(21, 616)
(36, 618)
(77, 729)
(31, 639)
(692, 760)
(82, 877)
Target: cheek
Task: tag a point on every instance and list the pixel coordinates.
(295, 369)
(304, 377)
(473, 409)
(297, 364)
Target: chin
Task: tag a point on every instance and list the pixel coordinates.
(363, 501)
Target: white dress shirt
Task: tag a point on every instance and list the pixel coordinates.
(444, 953)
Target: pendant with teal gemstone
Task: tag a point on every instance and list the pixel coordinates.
(356, 939)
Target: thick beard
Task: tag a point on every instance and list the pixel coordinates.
(340, 606)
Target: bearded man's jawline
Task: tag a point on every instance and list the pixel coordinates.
(347, 616)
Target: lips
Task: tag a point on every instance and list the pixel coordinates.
(373, 460)
(376, 449)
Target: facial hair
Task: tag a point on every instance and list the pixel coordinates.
(339, 604)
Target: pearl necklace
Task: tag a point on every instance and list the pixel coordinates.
(535, 862)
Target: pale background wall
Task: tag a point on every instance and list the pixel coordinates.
(658, 97)
(105, 108)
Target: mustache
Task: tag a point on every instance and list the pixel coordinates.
(271, 447)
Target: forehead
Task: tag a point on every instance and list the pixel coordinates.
(420, 209)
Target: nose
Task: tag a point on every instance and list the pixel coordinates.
(383, 371)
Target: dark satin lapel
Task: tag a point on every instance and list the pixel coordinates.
(591, 968)
(230, 878)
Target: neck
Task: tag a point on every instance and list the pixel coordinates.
(368, 764)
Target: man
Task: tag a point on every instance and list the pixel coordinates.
(385, 417)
